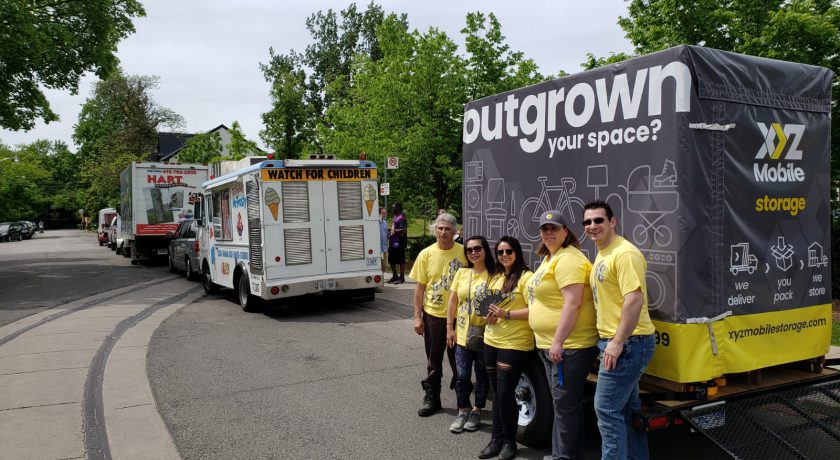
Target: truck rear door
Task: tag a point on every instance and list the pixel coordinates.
(294, 229)
(318, 227)
(345, 223)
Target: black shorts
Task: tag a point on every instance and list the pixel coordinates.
(396, 256)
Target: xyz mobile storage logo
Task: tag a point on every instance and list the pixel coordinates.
(780, 147)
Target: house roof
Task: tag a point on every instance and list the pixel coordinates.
(173, 152)
(169, 143)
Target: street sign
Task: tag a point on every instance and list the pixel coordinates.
(385, 189)
(392, 163)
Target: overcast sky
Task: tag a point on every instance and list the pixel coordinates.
(207, 52)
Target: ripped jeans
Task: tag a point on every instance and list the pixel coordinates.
(464, 361)
(504, 367)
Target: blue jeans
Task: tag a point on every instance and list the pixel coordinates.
(465, 360)
(617, 397)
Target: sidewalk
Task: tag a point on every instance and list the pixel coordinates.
(399, 293)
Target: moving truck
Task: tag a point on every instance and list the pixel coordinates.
(154, 199)
(285, 228)
(717, 168)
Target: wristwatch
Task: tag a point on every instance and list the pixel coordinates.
(507, 314)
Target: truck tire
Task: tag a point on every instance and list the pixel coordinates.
(101, 243)
(248, 302)
(207, 282)
(536, 409)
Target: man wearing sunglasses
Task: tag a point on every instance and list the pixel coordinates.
(434, 270)
(626, 333)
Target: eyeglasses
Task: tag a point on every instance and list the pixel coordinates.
(597, 220)
(502, 252)
(474, 249)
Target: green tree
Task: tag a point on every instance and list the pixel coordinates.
(117, 125)
(491, 65)
(304, 85)
(239, 146)
(410, 104)
(51, 44)
(22, 179)
(201, 148)
(287, 128)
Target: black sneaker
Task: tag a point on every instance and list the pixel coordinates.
(508, 451)
(400, 280)
(393, 279)
(492, 449)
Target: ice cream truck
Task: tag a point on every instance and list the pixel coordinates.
(286, 228)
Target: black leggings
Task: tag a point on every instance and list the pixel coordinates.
(504, 367)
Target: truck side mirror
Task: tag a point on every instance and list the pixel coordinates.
(199, 222)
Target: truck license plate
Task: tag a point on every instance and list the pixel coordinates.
(326, 285)
(163, 251)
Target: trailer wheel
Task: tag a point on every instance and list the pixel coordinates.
(536, 409)
(248, 301)
(207, 282)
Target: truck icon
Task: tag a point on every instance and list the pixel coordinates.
(740, 259)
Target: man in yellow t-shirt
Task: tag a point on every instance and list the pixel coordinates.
(433, 270)
(625, 330)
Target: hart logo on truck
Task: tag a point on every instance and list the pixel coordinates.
(776, 139)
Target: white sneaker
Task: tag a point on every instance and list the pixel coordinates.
(458, 425)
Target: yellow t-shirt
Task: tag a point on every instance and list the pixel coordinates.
(618, 270)
(435, 268)
(511, 334)
(469, 286)
(545, 300)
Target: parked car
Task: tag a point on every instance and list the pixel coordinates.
(28, 229)
(184, 250)
(11, 231)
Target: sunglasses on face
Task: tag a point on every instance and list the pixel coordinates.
(597, 220)
(474, 249)
(502, 252)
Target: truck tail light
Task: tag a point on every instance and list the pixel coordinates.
(377, 279)
(195, 246)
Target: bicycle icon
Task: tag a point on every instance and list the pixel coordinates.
(571, 207)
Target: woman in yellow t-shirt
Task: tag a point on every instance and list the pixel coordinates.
(467, 285)
(508, 344)
(562, 315)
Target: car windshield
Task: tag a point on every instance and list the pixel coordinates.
(4, 227)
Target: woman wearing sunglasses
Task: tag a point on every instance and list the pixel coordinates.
(562, 315)
(467, 285)
(508, 343)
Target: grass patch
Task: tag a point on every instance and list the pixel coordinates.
(835, 333)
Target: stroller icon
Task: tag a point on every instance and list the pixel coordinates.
(652, 198)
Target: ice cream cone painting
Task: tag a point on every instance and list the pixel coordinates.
(272, 200)
(369, 195)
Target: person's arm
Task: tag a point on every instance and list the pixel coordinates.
(630, 312)
(572, 299)
(450, 318)
(419, 296)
